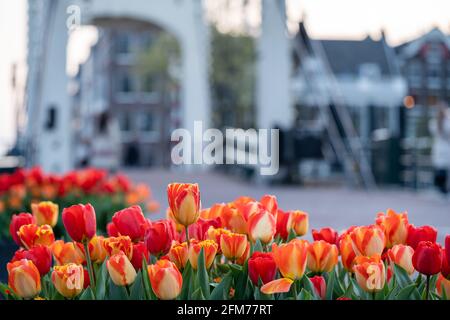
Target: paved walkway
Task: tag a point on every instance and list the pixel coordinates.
(338, 207)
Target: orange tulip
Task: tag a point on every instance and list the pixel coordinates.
(244, 256)
(233, 245)
(68, 252)
(209, 248)
(32, 235)
(166, 279)
(45, 212)
(270, 203)
(401, 255)
(395, 227)
(370, 273)
(68, 279)
(179, 254)
(348, 255)
(97, 250)
(368, 240)
(214, 212)
(443, 285)
(170, 216)
(24, 278)
(291, 258)
(215, 234)
(114, 245)
(233, 219)
(322, 256)
(120, 269)
(262, 226)
(184, 201)
(298, 221)
(277, 286)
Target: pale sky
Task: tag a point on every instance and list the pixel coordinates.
(401, 19)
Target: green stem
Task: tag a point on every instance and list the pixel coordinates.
(427, 289)
(187, 235)
(295, 289)
(127, 287)
(89, 265)
(374, 295)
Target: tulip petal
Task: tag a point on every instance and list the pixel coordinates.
(277, 286)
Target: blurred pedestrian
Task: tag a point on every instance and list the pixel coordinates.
(440, 128)
(106, 144)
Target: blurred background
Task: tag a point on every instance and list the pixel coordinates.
(358, 89)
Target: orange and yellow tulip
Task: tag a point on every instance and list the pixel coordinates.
(298, 221)
(68, 279)
(166, 279)
(370, 273)
(184, 201)
(348, 255)
(395, 227)
(24, 278)
(114, 245)
(291, 258)
(45, 212)
(233, 245)
(179, 254)
(68, 252)
(443, 285)
(120, 269)
(32, 235)
(402, 255)
(368, 240)
(262, 225)
(209, 249)
(322, 256)
(97, 250)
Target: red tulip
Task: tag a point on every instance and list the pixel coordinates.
(427, 258)
(159, 236)
(261, 265)
(112, 230)
(282, 220)
(131, 222)
(17, 221)
(80, 222)
(41, 256)
(139, 252)
(417, 234)
(198, 229)
(446, 257)
(320, 285)
(327, 234)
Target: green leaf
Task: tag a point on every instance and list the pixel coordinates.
(407, 293)
(198, 294)
(401, 276)
(257, 247)
(102, 277)
(308, 286)
(304, 295)
(187, 277)
(292, 235)
(87, 294)
(330, 285)
(222, 290)
(117, 292)
(242, 284)
(149, 294)
(202, 274)
(137, 288)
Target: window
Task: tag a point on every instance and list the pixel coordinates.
(414, 74)
(123, 43)
(434, 73)
(147, 122)
(124, 83)
(434, 54)
(125, 124)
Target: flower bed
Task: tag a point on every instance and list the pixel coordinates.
(244, 249)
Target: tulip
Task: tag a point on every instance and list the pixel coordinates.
(45, 212)
(97, 250)
(322, 256)
(114, 245)
(427, 258)
(32, 235)
(320, 286)
(242, 259)
(79, 221)
(370, 273)
(112, 230)
(233, 245)
(179, 254)
(261, 266)
(445, 266)
(395, 227)
(234, 220)
(269, 202)
(215, 234)
(368, 240)
(214, 212)
(120, 269)
(24, 278)
(166, 279)
(131, 222)
(262, 226)
(348, 255)
(41, 257)
(401, 255)
(418, 234)
(291, 258)
(282, 220)
(68, 252)
(282, 285)
(209, 250)
(327, 234)
(140, 252)
(184, 201)
(17, 221)
(68, 279)
(298, 221)
(159, 237)
(447, 253)
(199, 229)
(443, 286)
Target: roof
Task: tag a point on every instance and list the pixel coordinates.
(411, 48)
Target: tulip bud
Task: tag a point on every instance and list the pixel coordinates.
(443, 285)
(215, 234)
(320, 286)
(97, 250)
(262, 226)
(327, 234)
(348, 255)
(298, 221)
(24, 278)
(322, 256)
(261, 266)
(32, 235)
(179, 254)
(233, 245)
(370, 273)
(41, 257)
(427, 258)
(120, 269)
(234, 220)
(242, 259)
(45, 212)
(395, 227)
(418, 234)
(401, 255)
(199, 229)
(131, 222)
(269, 202)
(368, 240)
(159, 237)
(209, 249)
(68, 279)
(184, 201)
(114, 245)
(17, 221)
(80, 222)
(282, 220)
(291, 258)
(112, 230)
(140, 252)
(166, 279)
(68, 252)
